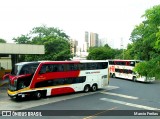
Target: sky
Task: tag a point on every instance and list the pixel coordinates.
(111, 19)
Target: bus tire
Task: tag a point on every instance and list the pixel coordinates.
(94, 87)
(86, 88)
(113, 75)
(38, 95)
(134, 78)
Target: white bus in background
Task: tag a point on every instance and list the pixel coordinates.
(124, 69)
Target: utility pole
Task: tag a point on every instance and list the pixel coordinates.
(122, 46)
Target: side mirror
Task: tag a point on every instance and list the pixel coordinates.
(5, 77)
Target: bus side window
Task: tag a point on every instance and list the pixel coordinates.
(117, 70)
(128, 63)
(132, 63)
(25, 70)
(60, 67)
(123, 63)
(71, 67)
(43, 69)
(99, 66)
(82, 79)
(76, 66)
(54, 68)
(130, 71)
(69, 80)
(82, 66)
(94, 66)
(48, 68)
(88, 66)
(104, 65)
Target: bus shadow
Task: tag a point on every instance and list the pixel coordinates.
(141, 82)
(20, 100)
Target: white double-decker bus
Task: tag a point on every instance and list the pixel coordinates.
(124, 69)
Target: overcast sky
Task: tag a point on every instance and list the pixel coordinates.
(111, 19)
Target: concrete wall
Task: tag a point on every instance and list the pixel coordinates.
(8, 48)
(5, 62)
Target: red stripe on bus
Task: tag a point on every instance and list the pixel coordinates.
(64, 90)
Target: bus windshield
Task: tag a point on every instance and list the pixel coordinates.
(16, 69)
(21, 69)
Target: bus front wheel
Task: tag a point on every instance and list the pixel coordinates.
(37, 95)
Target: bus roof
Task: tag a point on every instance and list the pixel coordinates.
(121, 60)
(67, 61)
(23, 63)
(74, 61)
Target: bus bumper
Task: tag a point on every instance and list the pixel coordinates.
(150, 79)
(15, 94)
(146, 79)
(11, 95)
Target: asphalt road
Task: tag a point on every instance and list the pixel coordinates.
(121, 98)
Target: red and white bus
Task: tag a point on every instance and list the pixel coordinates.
(46, 78)
(124, 69)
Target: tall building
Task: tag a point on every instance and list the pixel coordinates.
(86, 36)
(74, 46)
(87, 40)
(94, 40)
(85, 47)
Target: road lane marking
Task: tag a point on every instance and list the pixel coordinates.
(120, 95)
(97, 114)
(129, 104)
(111, 87)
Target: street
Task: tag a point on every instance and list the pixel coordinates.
(121, 95)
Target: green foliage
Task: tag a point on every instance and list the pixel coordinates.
(149, 68)
(146, 36)
(23, 39)
(146, 43)
(157, 45)
(2, 40)
(56, 42)
(101, 53)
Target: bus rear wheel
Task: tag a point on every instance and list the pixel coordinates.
(86, 88)
(94, 87)
(113, 75)
(134, 79)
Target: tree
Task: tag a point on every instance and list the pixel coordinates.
(41, 32)
(145, 36)
(2, 40)
(56, 42)
(149, 68)
(146, 43)
(157, 45)
(101, 53)
(23, 39)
